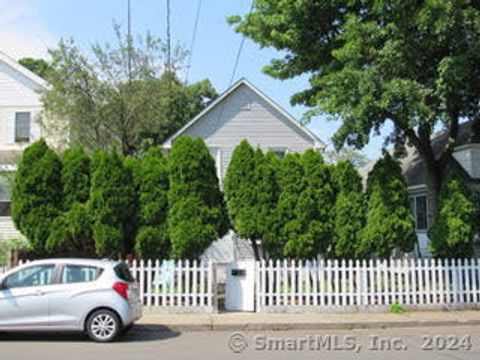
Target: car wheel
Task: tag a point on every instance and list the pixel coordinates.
(103, 326)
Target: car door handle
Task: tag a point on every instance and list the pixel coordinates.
(39, 292)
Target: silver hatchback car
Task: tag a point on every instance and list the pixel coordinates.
(99, 297)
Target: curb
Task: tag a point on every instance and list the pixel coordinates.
(142, 328)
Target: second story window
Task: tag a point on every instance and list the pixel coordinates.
(22, 126)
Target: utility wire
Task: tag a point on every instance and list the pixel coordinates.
(168, 38)
(237, 59)
(194, 35)
(129, 44)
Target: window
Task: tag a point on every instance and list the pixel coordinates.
(80, 273)
(5, 194)
(32, 276)
(123, 272)
(22, 126)
(280, 152)
(419, 207)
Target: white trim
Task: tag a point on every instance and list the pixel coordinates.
(317, 142)
(8, 167)
(417, 187)
(10, 62)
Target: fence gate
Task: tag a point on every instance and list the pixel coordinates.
(240, 286)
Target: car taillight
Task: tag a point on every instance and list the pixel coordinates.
(121, 289)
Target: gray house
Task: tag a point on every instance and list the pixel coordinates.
(466, 163)
(244, 112)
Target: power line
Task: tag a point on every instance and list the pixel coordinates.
(129, 44)
(168, 38)
(194, 35)
(237, 59)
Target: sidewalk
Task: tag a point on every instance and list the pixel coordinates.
(307, 321)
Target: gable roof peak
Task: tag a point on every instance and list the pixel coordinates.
(15, 65)
(243, 81)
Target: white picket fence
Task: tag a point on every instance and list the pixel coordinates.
(367, 285)
(175, 286)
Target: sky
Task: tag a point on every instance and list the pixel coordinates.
(30, 27)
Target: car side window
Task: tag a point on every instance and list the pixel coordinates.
(80, 273)
(38, 275)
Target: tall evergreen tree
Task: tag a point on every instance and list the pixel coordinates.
(284, 226)
(111, 204)
(71, 232)
(197, 214)
(349, 210)
(452, 231)
(389, 219)
(251, 192)
(152, 241)
(37, 193)
(311, 230)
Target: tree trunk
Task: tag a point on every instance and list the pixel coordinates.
(255, 249)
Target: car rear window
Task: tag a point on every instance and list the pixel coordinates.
(123, 272)
(80, 273)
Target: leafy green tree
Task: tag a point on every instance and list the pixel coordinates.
(111, 101)
(413, 64)
(452, 232)
(251, 193)
(75, 176)
(284, 227)
(38, 66)
(197, 213)
(311, 230)
(71, 231)
(37, 193)
(389, 219)
(152, 241)
(110, 203)
(349, 210)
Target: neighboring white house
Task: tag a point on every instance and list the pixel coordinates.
(244, 112)
(20, 106)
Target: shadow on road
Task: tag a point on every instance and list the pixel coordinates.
(139, 333)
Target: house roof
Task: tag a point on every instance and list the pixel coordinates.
(414, 167)
(10, 62)
(230, 90)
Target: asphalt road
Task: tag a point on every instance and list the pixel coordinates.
(458, 342)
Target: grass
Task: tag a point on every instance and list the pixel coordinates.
(397, 309)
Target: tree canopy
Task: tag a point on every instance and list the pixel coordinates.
(413, 64)
(110, 100)
(197, 212)
(452, 231)
(152, 241)
(37, 193)
(39, 67)
(251, 193)
(349, 210)
(389, 223)
(112, 203)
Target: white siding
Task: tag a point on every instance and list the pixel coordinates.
(18, 93)
(246, 115)
(16, 89)
(7, 229)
